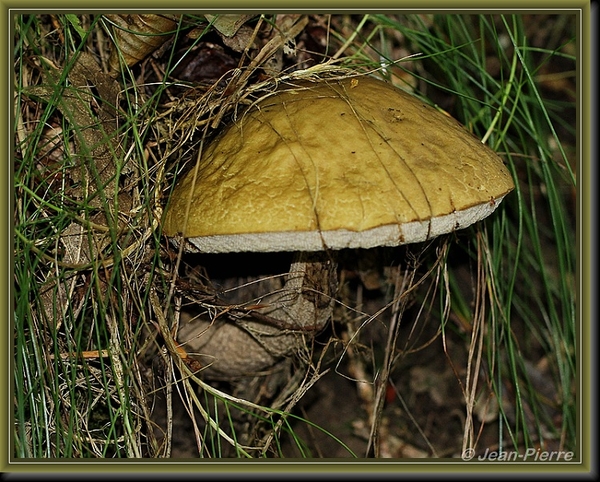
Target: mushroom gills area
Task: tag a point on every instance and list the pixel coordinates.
(388, 235)
(270, 325)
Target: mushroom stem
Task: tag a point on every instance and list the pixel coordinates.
(235, 346)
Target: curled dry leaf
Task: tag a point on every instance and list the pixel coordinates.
(138, 35)
(228, 24)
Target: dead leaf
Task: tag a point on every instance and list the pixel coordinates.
(227, 24)
(242, 40)
(138, 35)
(92, 116)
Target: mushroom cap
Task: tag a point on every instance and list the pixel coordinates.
(352, 163)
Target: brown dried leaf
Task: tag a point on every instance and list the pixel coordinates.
(93, 119)
(242, 40)
(137, 36)
(228, 24)
(56, 301)
(97, 142)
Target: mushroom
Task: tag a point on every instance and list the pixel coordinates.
(316, 167)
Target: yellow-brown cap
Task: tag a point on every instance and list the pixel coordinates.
(333, 164)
